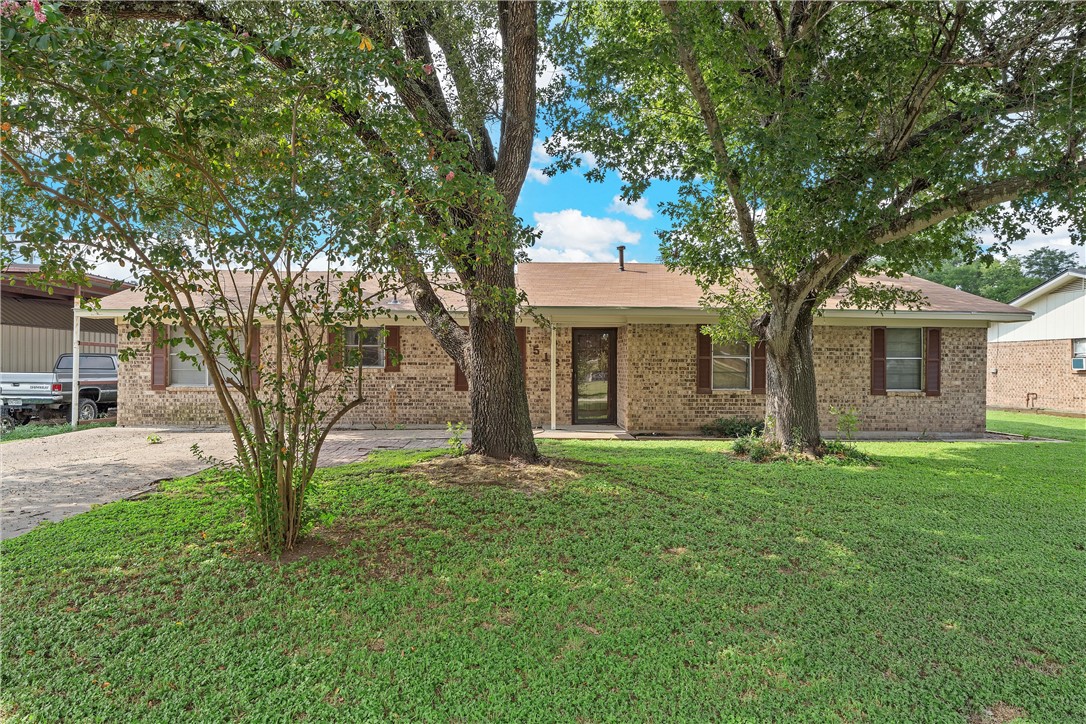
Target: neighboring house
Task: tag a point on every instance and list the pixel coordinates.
(624, 347)
(1041, 362)
(36, 324)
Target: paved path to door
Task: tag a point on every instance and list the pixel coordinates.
(53, 478)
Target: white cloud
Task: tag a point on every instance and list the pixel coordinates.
(540, 159)
(113, 270)
(638, 209)
(1060, 238)
(537, 175)
(548, 72)
(569, 235)
(588, 159)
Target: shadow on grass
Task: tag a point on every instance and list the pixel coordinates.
(931, 588)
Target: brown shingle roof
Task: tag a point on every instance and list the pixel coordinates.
(641, 286)
(646, 286)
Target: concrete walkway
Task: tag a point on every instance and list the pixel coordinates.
(53, 478)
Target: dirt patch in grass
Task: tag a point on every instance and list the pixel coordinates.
(998, 713)
(1041, 663)
(381, 555)
(478, 471)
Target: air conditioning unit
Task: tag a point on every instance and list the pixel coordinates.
(1078, 364)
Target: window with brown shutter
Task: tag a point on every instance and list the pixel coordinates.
(757, 372)
(933, 354)
(460, 381)
(878, 360)
(335, 348)
(254, 356)
(522, 343)
(705, 364)
(392, 349)
(160, 360)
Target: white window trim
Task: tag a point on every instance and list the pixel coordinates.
(922, 358)
(1075, 354)
(750, 369)
(381, 350)
(176, 354)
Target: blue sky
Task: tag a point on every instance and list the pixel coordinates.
(581, 220)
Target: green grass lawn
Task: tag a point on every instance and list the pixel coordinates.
(34, 430)
(666, 581)
(1038, 425)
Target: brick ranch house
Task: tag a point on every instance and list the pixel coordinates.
(1041, 362)
(623, 347)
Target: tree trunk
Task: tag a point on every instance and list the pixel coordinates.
(791, 403)
(501, 426)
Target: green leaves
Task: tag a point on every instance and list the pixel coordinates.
(837, 125)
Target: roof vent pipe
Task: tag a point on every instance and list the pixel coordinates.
(622, 258)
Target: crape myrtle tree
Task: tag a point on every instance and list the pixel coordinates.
(452, 73)
(207, 181)
(815, 142)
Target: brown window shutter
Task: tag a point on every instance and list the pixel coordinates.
(160, 360)
(705, 363)
(254, 356)
(392, 344)
(522, 342)
(757, 368)
(460, 381)
(335, 348)
(933, 354)
(878, 360)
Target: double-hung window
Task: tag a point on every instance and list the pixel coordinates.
(1078, 348)
(731, 366)
(186, 364)
(905, 359)
(363, 347)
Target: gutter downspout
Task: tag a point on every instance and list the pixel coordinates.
(554, 379)
(75, 359)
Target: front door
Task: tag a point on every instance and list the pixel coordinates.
(594, 376)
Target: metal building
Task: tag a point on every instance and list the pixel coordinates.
(36, 324)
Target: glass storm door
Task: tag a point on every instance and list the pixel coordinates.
(594, 376)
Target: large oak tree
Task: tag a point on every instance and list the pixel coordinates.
(815, 141)
(422, 87)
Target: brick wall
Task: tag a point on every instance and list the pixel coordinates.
(663, 395)
(1042, 367)
(656, 385)
(662, 383)
(420, 393)
(843, 370)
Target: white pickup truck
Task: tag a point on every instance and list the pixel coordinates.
(26, 396)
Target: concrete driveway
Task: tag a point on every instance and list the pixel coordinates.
(53, 478)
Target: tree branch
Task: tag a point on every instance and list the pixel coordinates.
(700, 90)
(969, 201)
(520, 48)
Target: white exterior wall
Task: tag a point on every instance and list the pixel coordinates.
(1060, 314)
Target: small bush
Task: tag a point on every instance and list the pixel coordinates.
(741, 446)
(762, 450)
(848, 421)
(845, 454)
(732, 427)
(456, 438)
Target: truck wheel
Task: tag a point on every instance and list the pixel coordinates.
(88, 410)
(7, 424)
